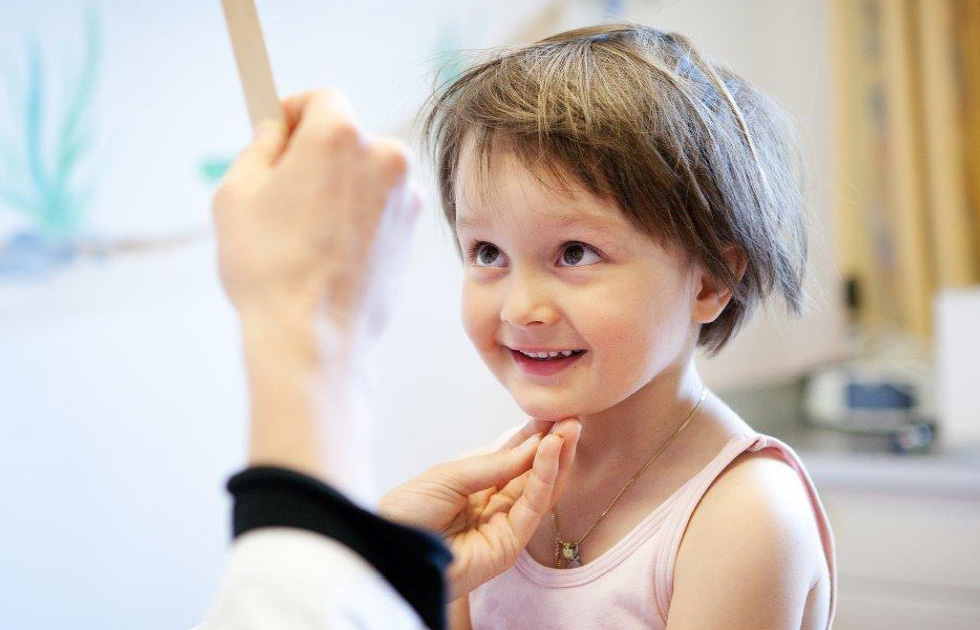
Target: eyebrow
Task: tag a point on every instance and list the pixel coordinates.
(594, 223)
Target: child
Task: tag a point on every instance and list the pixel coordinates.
(620, 200)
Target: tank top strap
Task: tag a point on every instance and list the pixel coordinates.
(681, 512)
(822, 519)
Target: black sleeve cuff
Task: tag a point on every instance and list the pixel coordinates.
(412, 560)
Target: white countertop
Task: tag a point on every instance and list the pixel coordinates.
(841, 461)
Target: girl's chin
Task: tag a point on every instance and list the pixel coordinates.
(540, 410)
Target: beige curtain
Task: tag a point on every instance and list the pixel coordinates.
(907, 104)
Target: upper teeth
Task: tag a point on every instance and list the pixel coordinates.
(546, 355)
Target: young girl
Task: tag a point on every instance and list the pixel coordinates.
(621, 200)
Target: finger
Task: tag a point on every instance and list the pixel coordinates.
(295, 105)
(267, 147)
(326, 119)
(482, 497)
(570, 431)
(535, 501)
(503, 499)
(395, 164)
(264, 151)
(530, 427)
(473, 474)
(292, 107)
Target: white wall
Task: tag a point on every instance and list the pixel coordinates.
(782, 47)
(121, 391)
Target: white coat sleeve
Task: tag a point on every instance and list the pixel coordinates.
(281, 578)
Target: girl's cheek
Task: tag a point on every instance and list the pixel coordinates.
(477, 318)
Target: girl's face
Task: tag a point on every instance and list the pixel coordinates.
(550, 271)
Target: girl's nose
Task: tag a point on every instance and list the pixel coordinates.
(526, 302)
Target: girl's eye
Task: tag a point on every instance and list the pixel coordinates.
(576, 251)
(484, 254)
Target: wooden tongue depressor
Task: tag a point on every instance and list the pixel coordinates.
(252, 60)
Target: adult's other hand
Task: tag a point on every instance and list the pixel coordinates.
(488, 506)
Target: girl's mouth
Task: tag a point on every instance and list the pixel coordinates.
(545, 367)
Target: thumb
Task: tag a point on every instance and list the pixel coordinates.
(473, 474)
(267, 145)
(268, 142)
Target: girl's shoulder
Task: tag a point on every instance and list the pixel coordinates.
(757, 520)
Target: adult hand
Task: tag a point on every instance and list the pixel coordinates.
(488, 506)
(310, 216)
(308, 220)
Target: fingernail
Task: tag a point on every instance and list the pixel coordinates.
(561, 440)
(555, 424)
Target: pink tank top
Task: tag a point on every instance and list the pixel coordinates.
(630, 585)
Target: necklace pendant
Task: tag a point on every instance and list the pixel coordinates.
(570, 554)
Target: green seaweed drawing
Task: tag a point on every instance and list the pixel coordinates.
(213, 169)
(39, 179)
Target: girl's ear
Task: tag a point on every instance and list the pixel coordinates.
(712, 295)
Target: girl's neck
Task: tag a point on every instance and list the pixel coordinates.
(637, 427)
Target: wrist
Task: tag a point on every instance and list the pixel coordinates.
(393, 507)
(301, 338)
(458, 584)
(309, 400)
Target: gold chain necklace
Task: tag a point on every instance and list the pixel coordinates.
(567, 552)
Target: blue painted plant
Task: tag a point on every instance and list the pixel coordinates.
(40, 176)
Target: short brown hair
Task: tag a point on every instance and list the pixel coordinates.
(690, 152)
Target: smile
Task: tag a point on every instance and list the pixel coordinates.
(549, 363)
